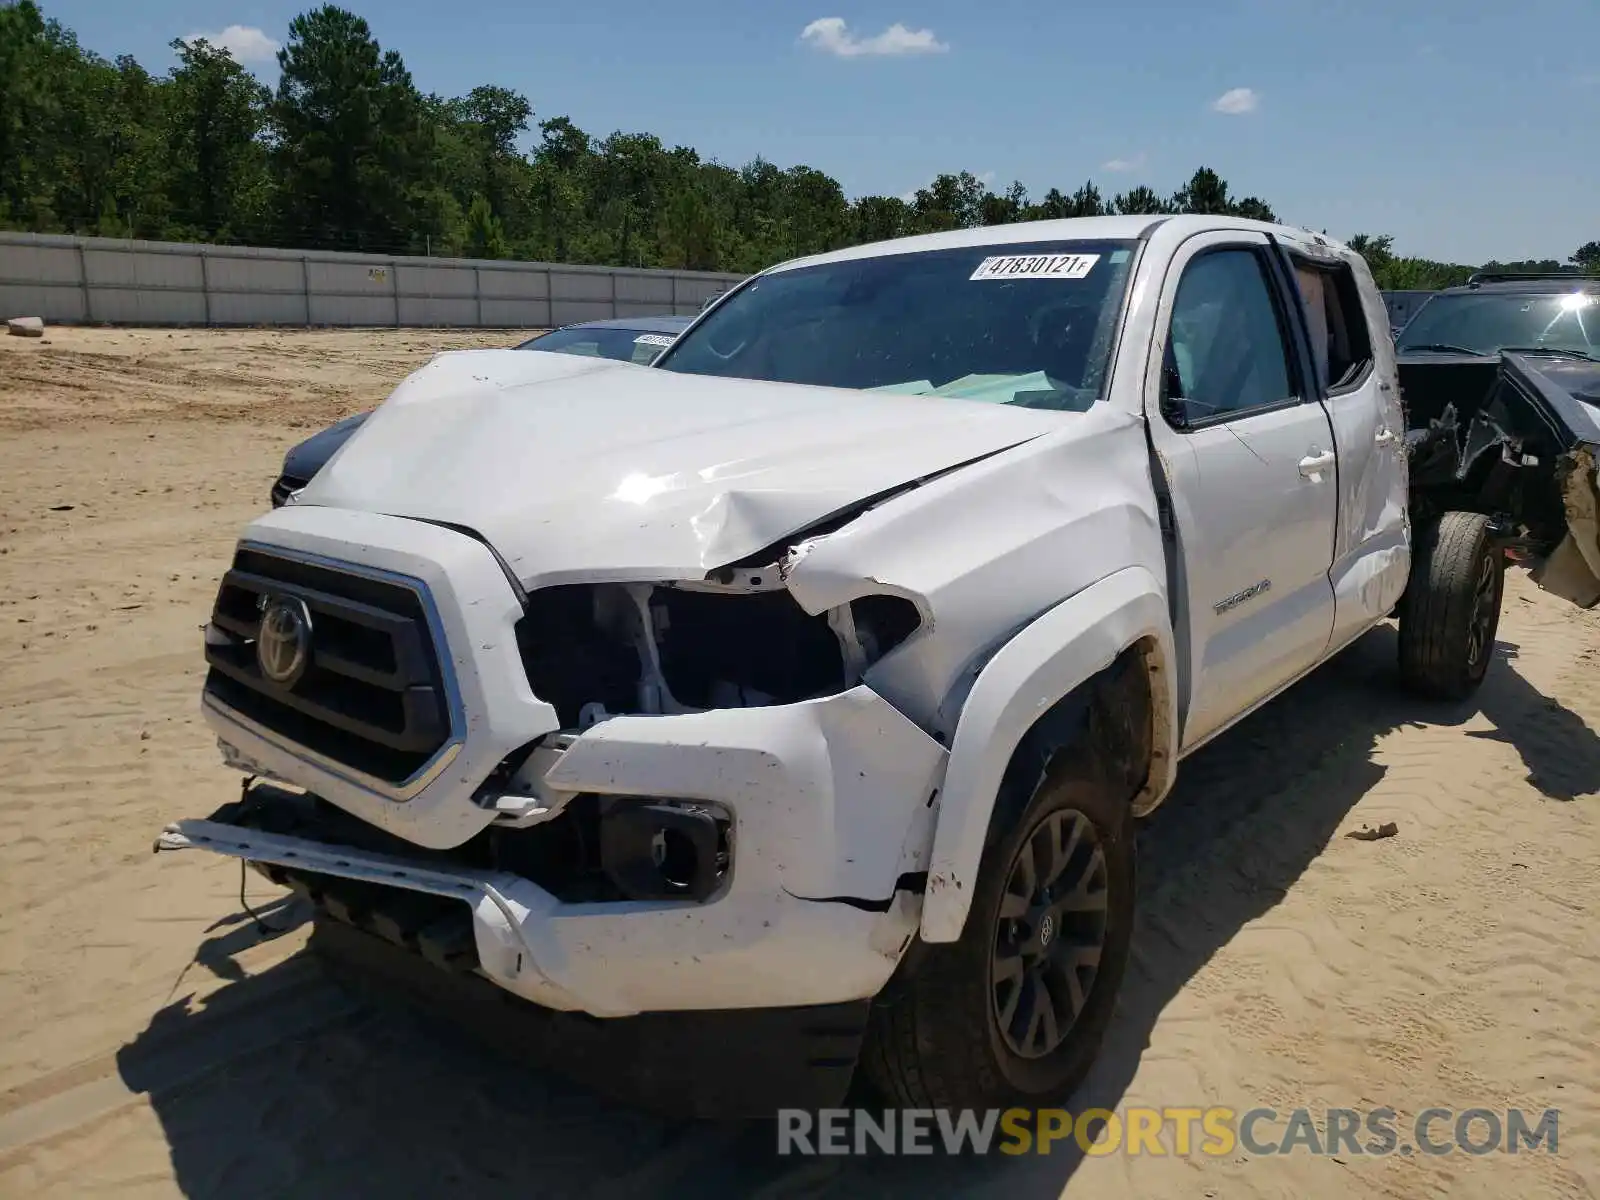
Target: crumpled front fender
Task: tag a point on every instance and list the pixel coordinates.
(1055, 654)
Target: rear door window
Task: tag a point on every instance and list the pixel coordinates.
(1337, 323)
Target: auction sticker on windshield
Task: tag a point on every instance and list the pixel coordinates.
(654, 339)
(1036, 266)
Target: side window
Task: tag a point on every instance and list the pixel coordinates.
(1226, 351)
(1340, 338)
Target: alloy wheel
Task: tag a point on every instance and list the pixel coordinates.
(1050, 934)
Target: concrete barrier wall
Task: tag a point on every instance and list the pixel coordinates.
(74, 280)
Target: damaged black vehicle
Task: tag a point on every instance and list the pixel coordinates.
(1501, 384)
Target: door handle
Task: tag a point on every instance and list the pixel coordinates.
(1313, 466)
(1384, 437)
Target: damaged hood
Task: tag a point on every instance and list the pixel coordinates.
(629, 472)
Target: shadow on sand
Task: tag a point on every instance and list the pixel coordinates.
(313, 1093)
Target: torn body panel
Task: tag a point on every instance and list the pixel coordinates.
(1511, 437)
(1572, 569)
(826, 809)
(986, 551)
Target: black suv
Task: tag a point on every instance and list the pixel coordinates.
(1452, 352)
(1555, 314)
(1491, 367)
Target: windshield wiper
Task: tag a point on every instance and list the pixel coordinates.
(1548, 350)
(1441, 348)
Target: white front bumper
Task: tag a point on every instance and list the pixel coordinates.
(617, 960)
(830, 802)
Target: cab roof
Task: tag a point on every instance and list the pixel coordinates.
(1116, 228)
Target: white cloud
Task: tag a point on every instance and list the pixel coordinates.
(1236, 101)
(245, 42)
(832, 36)
(1119, 165)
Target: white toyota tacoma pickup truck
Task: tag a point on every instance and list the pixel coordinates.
(794, 695)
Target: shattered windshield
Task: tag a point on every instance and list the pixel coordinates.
(1490, 322)
(1026, 324)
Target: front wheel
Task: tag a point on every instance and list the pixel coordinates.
(1015, 1011)
(1451, 609)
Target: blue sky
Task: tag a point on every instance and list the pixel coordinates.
(1468, 130)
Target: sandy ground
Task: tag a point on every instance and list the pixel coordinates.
(154, 1043)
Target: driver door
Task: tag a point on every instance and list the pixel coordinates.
(1252, 473)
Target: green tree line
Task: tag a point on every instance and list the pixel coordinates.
(1395, 273)
(347, 153)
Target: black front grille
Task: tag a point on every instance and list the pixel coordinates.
(284, 487)
(371, 696)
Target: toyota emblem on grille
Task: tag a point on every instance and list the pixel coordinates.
(283, 645)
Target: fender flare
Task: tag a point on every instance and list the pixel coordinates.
(1056, 653)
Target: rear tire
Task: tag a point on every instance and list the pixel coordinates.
(1451, 609)
(940, 1037)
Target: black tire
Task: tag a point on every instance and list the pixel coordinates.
(1451, 609)
(935, 1039)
